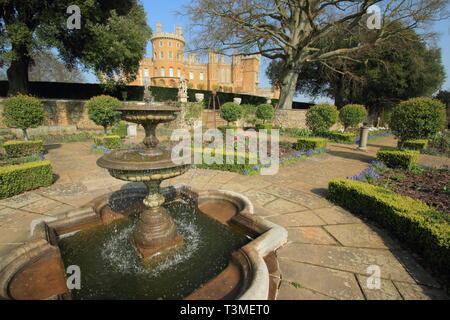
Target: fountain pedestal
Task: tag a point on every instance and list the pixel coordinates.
(155, 232)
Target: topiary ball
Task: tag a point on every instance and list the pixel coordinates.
(418, 118)
(231, 112)
(321, 117)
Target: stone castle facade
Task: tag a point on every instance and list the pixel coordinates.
(169, 64)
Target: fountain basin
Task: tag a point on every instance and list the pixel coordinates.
(245, 277)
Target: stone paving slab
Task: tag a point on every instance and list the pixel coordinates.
(287, 291)
(355, 260)
(297, 219)
(416, 292)
(259, 197)
(281, 206)
(311, 235)
(386, 291)
(306, 200)
(8, 215)
(336, 215)
(42, 206)
(356, 235)
(332, 283)
(21, 200)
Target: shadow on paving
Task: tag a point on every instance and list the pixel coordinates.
(352, 155)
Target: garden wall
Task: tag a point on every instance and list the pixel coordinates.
(295, 119)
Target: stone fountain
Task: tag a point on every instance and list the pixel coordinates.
(155, 232)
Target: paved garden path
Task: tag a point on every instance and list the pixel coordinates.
(329, 249)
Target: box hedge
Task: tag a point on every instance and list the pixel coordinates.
(161, 94)
(110, 142)
(16, 179)
(424, 229)
(399, 159)
(307, 144)
(264, 126)
(415, 144)
(17, 149)
(341, 137)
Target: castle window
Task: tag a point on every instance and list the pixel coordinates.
(146, 72)
(163, 72)
(171, 72)
(160, 43)
(179, 73)
(201, 76)
(191, 76)
(161, 55)
(170, 43)
(178, 57)
(170, 55)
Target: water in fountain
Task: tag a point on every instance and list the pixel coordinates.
(112, 269)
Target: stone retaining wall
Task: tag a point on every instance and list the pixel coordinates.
(63, 113)
(295, 119)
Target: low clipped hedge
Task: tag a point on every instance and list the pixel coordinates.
(224, 129)
(424, 229)
(17, 149)
(16, 179)
(307, 144)
(399, 159)
(341, 137)
(264, 126)
(110, 142)
(415, 144)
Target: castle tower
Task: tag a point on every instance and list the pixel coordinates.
(168, 57)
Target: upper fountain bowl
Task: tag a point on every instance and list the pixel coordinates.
(153, 112)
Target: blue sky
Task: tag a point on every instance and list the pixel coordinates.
(164, 12)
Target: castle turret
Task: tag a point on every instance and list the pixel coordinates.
(168, 57)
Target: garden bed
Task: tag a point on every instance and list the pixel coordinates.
(429, 186)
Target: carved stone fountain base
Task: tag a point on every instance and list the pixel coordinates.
(156, 234)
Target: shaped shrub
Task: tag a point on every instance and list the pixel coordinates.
(23, 112)
(399, 159)
(101, 111)
(415, 144)
(110, 142)
(321, 117)
(17, 149)
(307, 144)
(16, 179)
(265, 112)
(352, 114)
(418, 118)
(424, 229)
(231, 112)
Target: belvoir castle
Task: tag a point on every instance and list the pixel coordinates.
(168, 64)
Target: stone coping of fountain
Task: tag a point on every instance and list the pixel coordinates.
(255, 282)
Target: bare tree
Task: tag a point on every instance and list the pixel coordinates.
(291, 30)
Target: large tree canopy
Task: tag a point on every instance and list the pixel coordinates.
(293, 30)
(400, 68)
(111, 40)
